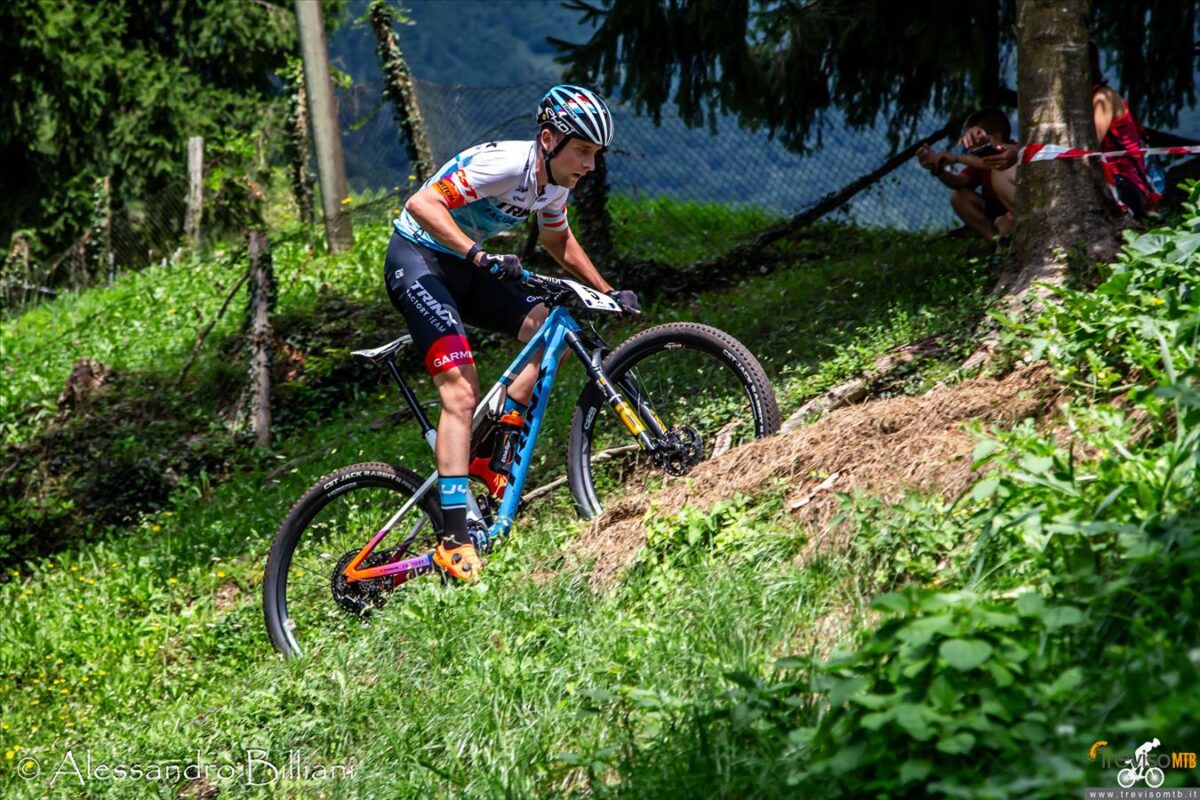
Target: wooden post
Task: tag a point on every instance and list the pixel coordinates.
(104, 244)
(195, 195)
(262, 297)
(398, 87)
(331, 166)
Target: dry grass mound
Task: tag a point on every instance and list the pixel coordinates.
(884, 447)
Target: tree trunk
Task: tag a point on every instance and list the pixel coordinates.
(262, 300)
(331, 166)
(399, 88)
(1062, 206)
(297, 144)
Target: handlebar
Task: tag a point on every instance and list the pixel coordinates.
(555, 288)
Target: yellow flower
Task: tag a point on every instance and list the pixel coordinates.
(10, 755)
(411, 178)
(85, 679)
(74, 568)
(4, 725)
(220, 574)
(172, 580)
(155, 528)
(345, 201)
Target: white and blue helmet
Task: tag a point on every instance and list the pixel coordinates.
(576, 111)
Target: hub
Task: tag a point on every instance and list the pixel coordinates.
(677, 452)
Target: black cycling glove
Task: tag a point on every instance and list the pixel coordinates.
(506, 268)
(627, 298)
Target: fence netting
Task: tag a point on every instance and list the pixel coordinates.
(727, 165)
(730, 165)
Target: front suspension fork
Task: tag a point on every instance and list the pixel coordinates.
(641, 420)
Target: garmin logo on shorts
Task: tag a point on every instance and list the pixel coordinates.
(452, 359)
(448, 353)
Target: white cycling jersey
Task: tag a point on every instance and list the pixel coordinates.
(490, 188)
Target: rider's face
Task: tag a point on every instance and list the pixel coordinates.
(575, 160)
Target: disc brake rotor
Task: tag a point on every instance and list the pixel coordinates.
(679, 451)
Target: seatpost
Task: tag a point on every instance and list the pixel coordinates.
(411, 399)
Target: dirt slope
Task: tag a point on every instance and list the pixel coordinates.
(885, 447)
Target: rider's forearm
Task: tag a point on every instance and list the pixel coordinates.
(434, 218)
(567, 251)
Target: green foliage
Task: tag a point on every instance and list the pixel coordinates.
(115, 89)
(1060, 621)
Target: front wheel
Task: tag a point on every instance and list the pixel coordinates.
(698, 390)
(307, 601)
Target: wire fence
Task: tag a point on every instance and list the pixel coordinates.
(728, 165)
(118, 239)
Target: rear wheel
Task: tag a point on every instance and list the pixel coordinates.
(307, 601)
(708, 393)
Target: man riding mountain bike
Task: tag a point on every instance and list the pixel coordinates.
(438, 277)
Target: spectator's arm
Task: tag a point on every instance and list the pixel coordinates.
(1005, 158)
(1102, 114)
(951, 180)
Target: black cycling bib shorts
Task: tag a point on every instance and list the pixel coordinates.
(436, 292)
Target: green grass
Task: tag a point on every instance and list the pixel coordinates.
(147, 643)
(680, 231)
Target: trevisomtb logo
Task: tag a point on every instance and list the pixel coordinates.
(1144, 764)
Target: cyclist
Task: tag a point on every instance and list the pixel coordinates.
(438, 276)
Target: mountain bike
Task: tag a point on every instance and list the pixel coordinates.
(681, 393)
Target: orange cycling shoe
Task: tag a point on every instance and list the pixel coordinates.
(460, 562)
(496, 481)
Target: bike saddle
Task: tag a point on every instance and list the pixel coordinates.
(380, 354)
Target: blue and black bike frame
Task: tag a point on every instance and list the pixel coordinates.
(560, 333)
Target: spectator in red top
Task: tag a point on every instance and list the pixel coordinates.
(985, 190)
(1117, 129)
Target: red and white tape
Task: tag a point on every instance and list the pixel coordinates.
(1054, 152)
